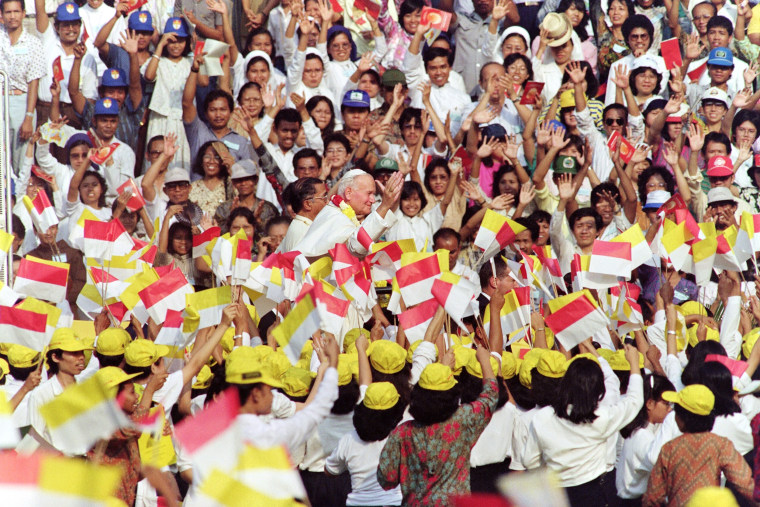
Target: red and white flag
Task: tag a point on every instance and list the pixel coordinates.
(212, 437)
(331, 307)
(455, 293)
(241, 262)
(416, 320)
(42, 212)
(46, 280)
(202, 240)
(575, 318)
(168, 293)
(23, 327)
(386, 257)
(104, 240)
(353, 276)
(417, 273)
(611, 258)
(108, 285)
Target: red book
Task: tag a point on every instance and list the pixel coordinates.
(626, 150)
(439, 20)
(136, 201)
(198, 48)
(531, 92)
(368, 6)
(57, 70)
(671, 53)
(104, 153)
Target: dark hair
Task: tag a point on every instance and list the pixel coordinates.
(287, 114)
(580, 5)
(23, 5)
(52, 366)
(302, 190)
(619, 107)
(628, 5)
(717, 137)
(540, 216)
(313, 102)
(261, 31)
(176, 228)
(521, 394)
(721, 22)
(408, 7)
(580, 392)
(447, 233)
(654, 386)
(375, 425)
(185, 52)
(432, 166)
(198, 163)
(742, 116)
(105, 360)
(336, 30)
(433, 53)
(314, 56)
(410, 113)
(693, 423)
(245, 88)
(103, 186)
(650, 171)
(142, 371)
(591, 81)
(470, 387)
(576, 141)
(513, 57)
(373, 73)
(485, 274)
(641, 70)
(17, 226)
(218, 94)
(257, 59)
(583, 213)
(241, 212)
(691, 372)
(410, 188)
(606, 186)
(543, 388)
(152, 140)
(337, 137)
(245, 390)
(432, 407)
(505, 168)
(531, 225)
(717, 378)
(20, 373)
(348, 395)
(307, 153)
(400, 381)
(276, 220)
(638, 21)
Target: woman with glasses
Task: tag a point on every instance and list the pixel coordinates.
(612, 44)
(337, 156)
(214, 187)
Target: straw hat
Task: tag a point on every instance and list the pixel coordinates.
(559, 27)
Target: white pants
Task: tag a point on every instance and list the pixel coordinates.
(17, 115)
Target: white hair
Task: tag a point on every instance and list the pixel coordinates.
(348, 180)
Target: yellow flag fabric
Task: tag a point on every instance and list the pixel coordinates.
(78, 478)
(229, 492)
(74, 401)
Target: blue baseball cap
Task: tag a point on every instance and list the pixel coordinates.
(721, 56)
(494, 130)
(356, 98)
(113, 77)
(106, 106)
(140, 21)
(67, 12)
(177, 26)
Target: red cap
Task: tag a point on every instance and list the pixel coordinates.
(719, 166)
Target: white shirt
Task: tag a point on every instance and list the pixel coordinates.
(631, 478)
(361, 458)
(601, 161)
(420, 228)
(296, 231)
(495, 443)
(580, 454)
(93, 20)
(324, 440)
(42, 394)
(88, 77)
(625, 63)
(21, 413)
(295, 430)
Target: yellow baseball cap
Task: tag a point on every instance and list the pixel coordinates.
(142, 353)
(712, 496)
(112, 341)
(381, 396)
(4, 368)
(111, 376)
(530, 361)
(65, 339)
(586, 355)
(412, 348)
(204, 378)
(386, 356)
(462, 356)
(296, 382)
(749, 340)
(437, 377)
(474, 368)
(567, 99)
(510, 365)
(344, 370)
(552, 363)
(4, 346)
(696, 398)
(351, 336)
(278, 363)
(307, 349)
(23, 357)
(691, 308)
(244, 366)
(262, 353)
(691, 334)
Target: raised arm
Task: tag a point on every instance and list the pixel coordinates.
(220, 7)
(152, 68)
(101, 39)
(41, 18)
(77, 98)
(452, 185)
(129, 44)
(158, 165)
(189, 112)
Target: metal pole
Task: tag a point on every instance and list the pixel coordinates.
(6, 171)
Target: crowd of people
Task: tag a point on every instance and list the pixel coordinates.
(313, 134)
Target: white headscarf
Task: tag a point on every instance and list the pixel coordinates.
(275, 76)
(512, 30)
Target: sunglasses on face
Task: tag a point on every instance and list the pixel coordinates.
(176, 185)
(614, 121)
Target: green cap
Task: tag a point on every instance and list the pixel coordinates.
(386, 164)
(565, 164)
(392, 77)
